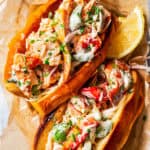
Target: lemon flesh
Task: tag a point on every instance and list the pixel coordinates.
(127, 36)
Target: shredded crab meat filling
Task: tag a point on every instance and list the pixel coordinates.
(87, 24)
(42, 64)
(88, 116)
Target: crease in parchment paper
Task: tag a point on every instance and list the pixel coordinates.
(13, 13)
(4, 111)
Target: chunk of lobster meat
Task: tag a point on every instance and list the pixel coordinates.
(51, 76)
(20, 60)
(91, 92)
(81, 104)
(88, 43)
(81, 138)
(33, 62)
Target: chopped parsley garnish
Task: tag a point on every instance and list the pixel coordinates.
(96, 10)
(35, 91)
(89, 14)
(28, 83)
(88, 131)
(32, 41)
(53, 38)
(41, 33)
(54, 22)
(62, 25)
(98, 130)
(47, 40)
(73, 137)
(19, 83)
(79, 14)
(69, 123)
(82, 28)
(60, 131)
(46, 74)
(62, 48)
(89, 48)
(59, 136)
(50, 53)
(46, 61)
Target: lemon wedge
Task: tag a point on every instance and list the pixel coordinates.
(127, 35)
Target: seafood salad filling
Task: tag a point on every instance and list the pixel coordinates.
(87, 24)
(41, 66)
(89, 114)
(46, 62)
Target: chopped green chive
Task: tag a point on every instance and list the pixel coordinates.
(73, 137)
(47, 40)
(46, 61)
(54, 22)
(82, 29)
(53, 39)
(62, 25)
(32, 41)
(41, 33)
(88, 131)
(28, 82)
(46, 74)
(89, 48)
(59, 136)
(69, 123)
(35, 91)
(79, 14)
(62, 47)
(96, 10)
(50, 53)
(19, 83)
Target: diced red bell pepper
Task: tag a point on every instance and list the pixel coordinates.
(91, 121)
(33, 62)
(96, 43)
(91, 92)
(118, 74)
(87, 41)
(80, 139)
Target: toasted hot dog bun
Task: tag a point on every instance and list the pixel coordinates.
(68, 85)
(129, 108)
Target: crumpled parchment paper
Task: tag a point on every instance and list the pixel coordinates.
(13, 14)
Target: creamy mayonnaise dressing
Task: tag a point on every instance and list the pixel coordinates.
(90, 114)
